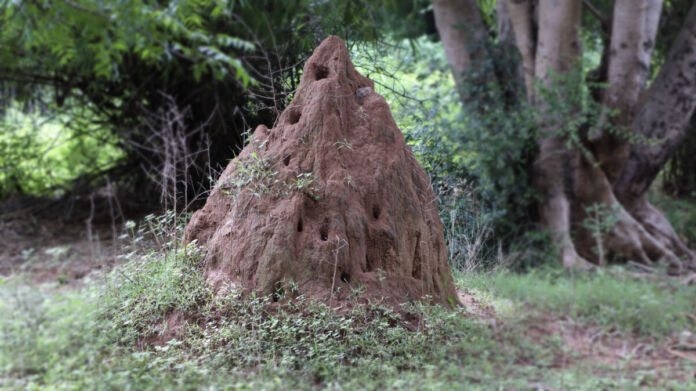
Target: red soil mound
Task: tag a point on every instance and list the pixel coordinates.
(328, 201)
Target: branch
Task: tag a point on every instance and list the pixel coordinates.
(594, 11)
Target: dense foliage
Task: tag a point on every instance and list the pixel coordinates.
(202, 72)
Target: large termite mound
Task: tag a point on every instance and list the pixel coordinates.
(328, 203)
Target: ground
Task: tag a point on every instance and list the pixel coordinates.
(70, 323)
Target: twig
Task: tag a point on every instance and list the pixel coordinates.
(340, 243)
(640, 266)
(594, 11)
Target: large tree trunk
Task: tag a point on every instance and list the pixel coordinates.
(618, 172)
(463, 36)
(663, 118)
(558, 46)
(632, 36)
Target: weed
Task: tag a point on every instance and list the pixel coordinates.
(601, 219)
(343, 144)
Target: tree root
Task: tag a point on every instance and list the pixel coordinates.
(640, 233)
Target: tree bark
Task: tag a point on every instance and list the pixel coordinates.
(463, 35)
(634, 26)
(668, 107)
(521, 17)
(505, 30)
(669, 104)
(555, 168)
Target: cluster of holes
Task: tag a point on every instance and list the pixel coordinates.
(320, 71)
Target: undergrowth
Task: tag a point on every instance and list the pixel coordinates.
(94, 337)
(154, 323)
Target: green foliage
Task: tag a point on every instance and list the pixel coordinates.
(223, 64)
(139, 295)
(94, 37)
(42, 156)
(678, 177)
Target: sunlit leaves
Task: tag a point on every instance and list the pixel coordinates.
(93, 36)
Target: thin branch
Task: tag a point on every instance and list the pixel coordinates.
(594, 11)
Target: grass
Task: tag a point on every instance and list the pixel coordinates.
(609, 298)
(55, 337)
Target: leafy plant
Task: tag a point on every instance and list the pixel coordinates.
(601, 219)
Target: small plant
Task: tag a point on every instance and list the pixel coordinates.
(349, 181)
(253, 173)
(343, 144)
(304, 183)
(601, 219)
(363, 116)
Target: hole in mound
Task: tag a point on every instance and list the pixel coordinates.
(286, 161)
(345, 277)
(324, 230)
(299, 225)
(294, 116)
(417, 272)
(369, 264)
(320, 71)
(375, 211)
(278, 292)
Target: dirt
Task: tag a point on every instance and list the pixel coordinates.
(50, 249)
(329, 201)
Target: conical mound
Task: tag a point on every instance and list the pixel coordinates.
(329, 202)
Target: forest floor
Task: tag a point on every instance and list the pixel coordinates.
(617, 328)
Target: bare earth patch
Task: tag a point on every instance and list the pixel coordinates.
(51, 250)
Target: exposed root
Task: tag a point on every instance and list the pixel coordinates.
(657, 225)
(631, 240)
(640, 233)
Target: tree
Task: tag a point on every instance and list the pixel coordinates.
(609, 159)
(123, 65)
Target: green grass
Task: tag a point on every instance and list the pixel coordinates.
(610, 298)
(53, 337)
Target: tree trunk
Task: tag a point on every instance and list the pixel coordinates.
(521, 16)
(632, 39)
(463, 36)
(663, 118)
(555, 168)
